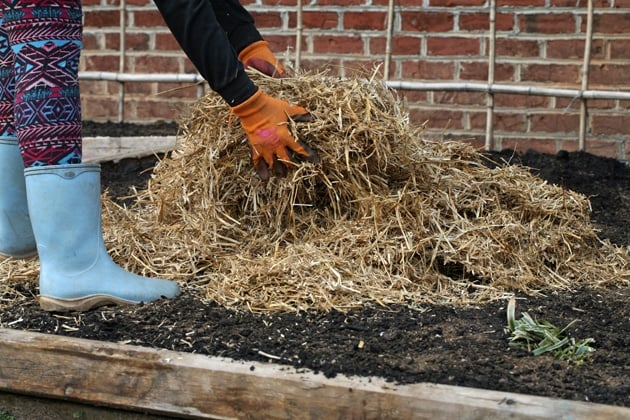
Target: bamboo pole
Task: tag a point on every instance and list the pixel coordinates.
(585, 75)
(509, 89)
(393, 84)
(491, 66)
(121, 59)
(141, 77)
(298, 37)
(388, 43)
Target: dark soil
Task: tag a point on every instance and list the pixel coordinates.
(464, 346)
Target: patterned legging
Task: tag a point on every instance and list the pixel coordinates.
(40, 45)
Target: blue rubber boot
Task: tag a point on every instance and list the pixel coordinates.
(76, 272)
(16, 234)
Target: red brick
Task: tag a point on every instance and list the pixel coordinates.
(554, 123)
(166, 42)
(342, 44)
(278, 2)
(401, 45)
(315, 20)
(477, 120)
(405, 45)
(101, 18)
(520, 101)
(597, 104)
(93, 87)
(517, 48)
(135, 2)
(624, 104)
(267, 19)
(523, 3)
(147, 19)
(144, 89)
(546, 73)
(452, 3)
(419, 21)
(481, 22)
(333, 2)
(610, 124)
(607, 75)
(438, 118)
(479, 71)
(428, 70)
(133, 41)
(607, 148)
(371, 21)
(144, 109)
(101, 62)
(509, 122)
(91, 41)
(99, 107)
(548, 23)
(413, 95)
(177, 90)
(452, 46)
(609, 23)
(460, 98)
(574, 48)
(619, 48)
(159, 64)
(407, 3)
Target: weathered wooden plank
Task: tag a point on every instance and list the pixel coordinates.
(99, 149)
(191, 385)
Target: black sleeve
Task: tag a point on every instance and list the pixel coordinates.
(198, 31)
(237, 23)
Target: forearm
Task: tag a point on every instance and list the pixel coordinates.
(237, 23)
(198, 31)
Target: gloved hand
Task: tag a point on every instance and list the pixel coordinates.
(265, 121)
(259, 56)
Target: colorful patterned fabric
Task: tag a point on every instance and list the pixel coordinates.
(40, 46)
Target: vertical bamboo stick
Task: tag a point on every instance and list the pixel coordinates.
(491, 63)
(298, 37)
(388, 44)
(121, 60)
(585, 75)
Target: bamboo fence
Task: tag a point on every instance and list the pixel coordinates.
(490, 88)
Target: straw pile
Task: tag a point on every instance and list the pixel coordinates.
(386, 217)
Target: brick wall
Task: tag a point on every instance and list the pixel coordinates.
(539, 43)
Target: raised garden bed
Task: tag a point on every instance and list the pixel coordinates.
(432, 360)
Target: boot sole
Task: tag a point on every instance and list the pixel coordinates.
(52, 304)
(27, 256)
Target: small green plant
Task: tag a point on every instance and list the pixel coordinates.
(5, 416)
(544, 337)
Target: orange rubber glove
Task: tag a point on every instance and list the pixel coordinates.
(259, 56)
(265, 121)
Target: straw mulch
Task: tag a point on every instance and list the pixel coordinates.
(387, 217)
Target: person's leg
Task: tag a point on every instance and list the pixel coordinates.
(16, 234)
(45, 38)
(63, 194)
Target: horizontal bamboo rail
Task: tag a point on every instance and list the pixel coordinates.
(493, 88)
